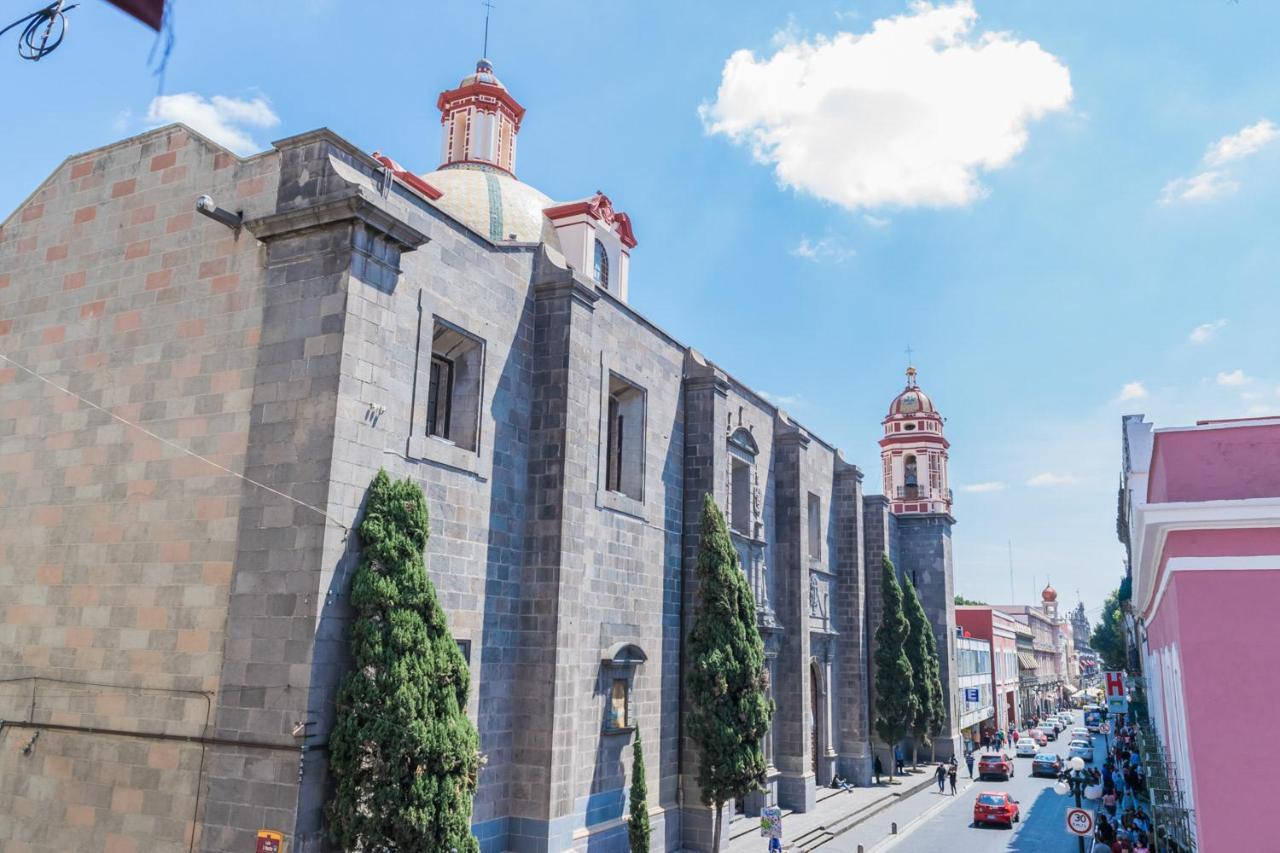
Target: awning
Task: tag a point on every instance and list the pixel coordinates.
(1027, 660)
(1069, 690)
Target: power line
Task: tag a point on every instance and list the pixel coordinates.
(173, 444)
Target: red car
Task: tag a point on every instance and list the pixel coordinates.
(995, 764)
(995, 807)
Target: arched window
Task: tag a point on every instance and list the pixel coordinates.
(602, 265)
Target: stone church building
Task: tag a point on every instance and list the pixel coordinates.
(192, 407)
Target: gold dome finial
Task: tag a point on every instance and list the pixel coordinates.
(911, 377)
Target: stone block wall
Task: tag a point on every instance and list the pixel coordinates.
(117, 556)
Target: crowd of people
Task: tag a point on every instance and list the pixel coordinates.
(1124, 824)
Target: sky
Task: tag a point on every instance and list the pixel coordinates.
(1068, 211)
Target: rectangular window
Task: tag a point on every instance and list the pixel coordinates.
(815, 527)
(935, 474)
(439, 396)
(454, 384)
(624, 439)
(740, 500)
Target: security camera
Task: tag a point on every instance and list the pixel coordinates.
(206, 206)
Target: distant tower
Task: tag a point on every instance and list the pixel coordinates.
(1080, 627)
(480, 121)
(1049, 602)
(913, 454)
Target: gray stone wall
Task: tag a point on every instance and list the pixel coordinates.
(924, 543)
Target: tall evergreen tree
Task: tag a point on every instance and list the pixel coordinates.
(922, 651)
(403, 752)
(727, 682)
(638, 825)
(896, 700)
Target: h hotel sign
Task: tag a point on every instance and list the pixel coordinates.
(1117, 697)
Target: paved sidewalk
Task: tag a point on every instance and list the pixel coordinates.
(837, 812)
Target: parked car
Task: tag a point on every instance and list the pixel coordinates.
(1046, 764)
(1079, 733)
(996, 807)
(1026, 748)
(1050, 731)
(1082, 749)
(995, 764)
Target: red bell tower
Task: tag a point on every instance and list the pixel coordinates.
(913, 454)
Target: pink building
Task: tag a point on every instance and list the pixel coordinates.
(1202, 512)
(987, 623)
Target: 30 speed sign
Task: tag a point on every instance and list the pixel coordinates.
(1080, 821)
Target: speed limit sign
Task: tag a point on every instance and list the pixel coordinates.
(1080, 821)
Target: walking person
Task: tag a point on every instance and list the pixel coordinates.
(951, 775)
(968, 760)
(941, 774)
(878, 769)
(897, 759)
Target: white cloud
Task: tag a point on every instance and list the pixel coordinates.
(990, 486)
(1051, 479)
(222, 119)
(1202, 187)
(875, 221)
(906, 114)
(782, 400)
(826, 249)
(1235, 377)
(1262, 410)
(1133, 391)
(1246, 141)
(1206, 332)
(1214, 181)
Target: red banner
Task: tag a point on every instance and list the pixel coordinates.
(150, 12)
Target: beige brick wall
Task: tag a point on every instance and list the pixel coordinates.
(116, 550)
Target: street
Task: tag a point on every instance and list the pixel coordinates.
(928, 822)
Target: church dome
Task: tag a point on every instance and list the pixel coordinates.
(912, 401)
(493, 204)
(1049, 594)
(483, 74)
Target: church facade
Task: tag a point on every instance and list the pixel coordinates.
(191, 411)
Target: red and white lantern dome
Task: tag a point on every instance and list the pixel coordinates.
(913, 454)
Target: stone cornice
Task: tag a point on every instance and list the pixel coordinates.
(354, 206)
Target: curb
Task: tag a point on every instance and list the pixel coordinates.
(848, 822)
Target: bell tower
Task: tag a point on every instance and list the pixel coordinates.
(913, 454)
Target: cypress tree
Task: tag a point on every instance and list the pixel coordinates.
(896, 700)
(922, 651)
(727, 683)
(638, 825)
(403, 752)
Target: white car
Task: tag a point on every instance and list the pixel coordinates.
(1026, 748)
(1080, 749)
(1080, 732)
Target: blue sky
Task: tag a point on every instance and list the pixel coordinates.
(1044, 200)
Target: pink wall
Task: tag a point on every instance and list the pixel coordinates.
(1224, 624)
(1227, 463)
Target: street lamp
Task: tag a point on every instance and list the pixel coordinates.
(1075, 781)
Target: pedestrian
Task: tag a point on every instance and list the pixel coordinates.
(941, 775)
(897, 759)
(878, 768)
(951, 775)
(1109, 801)
(968, 760)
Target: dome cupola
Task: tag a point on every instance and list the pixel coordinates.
(481, 120)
